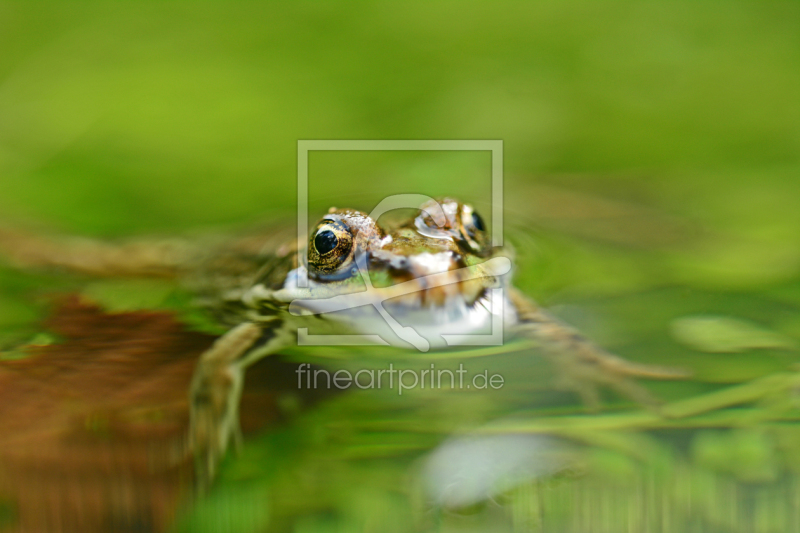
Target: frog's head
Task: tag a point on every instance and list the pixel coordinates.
(443, 238)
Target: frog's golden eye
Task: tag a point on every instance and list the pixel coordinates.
(461, 223)
(477, 221)
(473, 230)
(325, 242)
(330, 246)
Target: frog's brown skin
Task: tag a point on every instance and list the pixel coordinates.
(251, 292)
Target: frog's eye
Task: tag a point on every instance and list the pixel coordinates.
(329, 247)
(325, 242)
(473, 230)
(477, 221)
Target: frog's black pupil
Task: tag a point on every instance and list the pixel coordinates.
(325, 241)
(477, 221)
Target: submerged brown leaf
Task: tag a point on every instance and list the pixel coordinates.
(94, 429)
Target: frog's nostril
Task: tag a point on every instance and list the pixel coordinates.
(325, 242)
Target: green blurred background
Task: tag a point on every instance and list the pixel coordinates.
(120, 118)
(652, 149)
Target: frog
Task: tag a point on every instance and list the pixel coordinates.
(412, 283)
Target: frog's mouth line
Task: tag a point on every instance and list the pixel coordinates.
(376, 296)
(497, 266)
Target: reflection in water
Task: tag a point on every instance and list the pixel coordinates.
(95, 424)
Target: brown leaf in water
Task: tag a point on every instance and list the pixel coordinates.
(94, 429)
